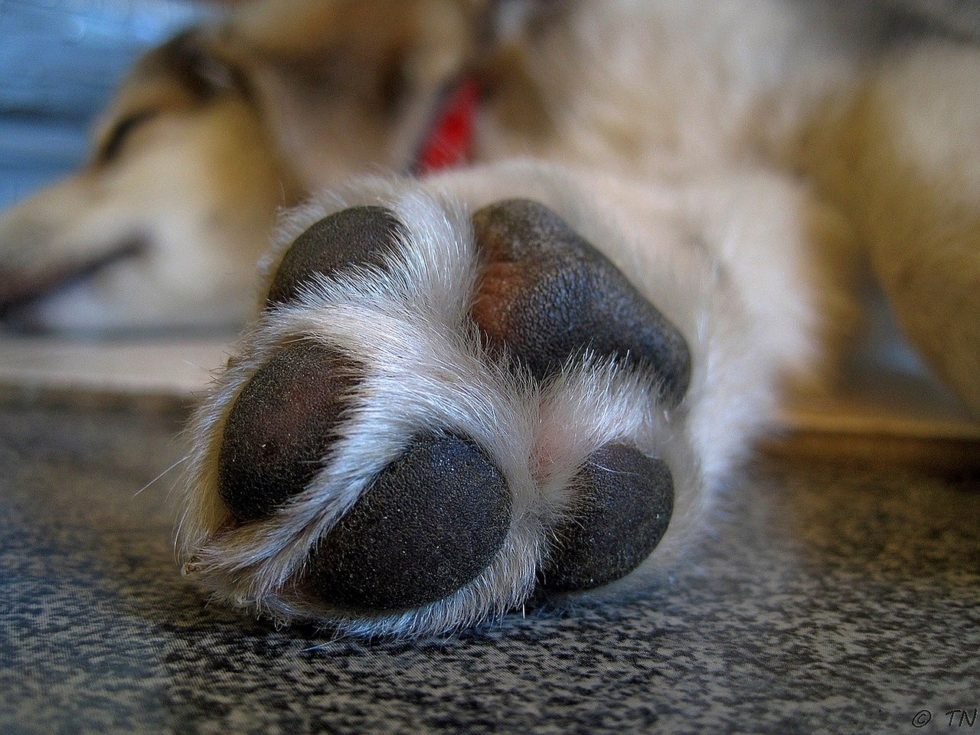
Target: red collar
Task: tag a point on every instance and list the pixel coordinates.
(448, 141)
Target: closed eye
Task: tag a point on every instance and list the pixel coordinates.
(114, 141)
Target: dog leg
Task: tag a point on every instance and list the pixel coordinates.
(903, 161)
(452, 398)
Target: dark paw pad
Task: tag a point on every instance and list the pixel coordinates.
(430, 523)
(360, 235)
(281, 427)
(626, 503)
(547, 294)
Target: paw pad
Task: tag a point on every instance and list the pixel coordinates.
(430, 523)
(626, 501)
(441, 515)
(280, 428)
(547, 294)
(360, 235)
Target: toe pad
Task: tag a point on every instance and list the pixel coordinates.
(627, 501)
(547, 293)
(281, 427)
(430, 523)
(359, 236)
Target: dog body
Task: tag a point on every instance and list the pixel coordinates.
(743, 166)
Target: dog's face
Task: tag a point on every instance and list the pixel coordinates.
(209, 135)
(163, 224)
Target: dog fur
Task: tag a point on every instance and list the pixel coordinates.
(746, 166)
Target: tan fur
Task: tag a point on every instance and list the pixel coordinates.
(901, 161)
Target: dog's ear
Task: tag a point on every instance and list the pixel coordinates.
(200, 65)
(300, 28)
(187, 72)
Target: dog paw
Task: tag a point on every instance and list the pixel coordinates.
(435, 416)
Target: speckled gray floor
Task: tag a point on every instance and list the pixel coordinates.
(825, 599)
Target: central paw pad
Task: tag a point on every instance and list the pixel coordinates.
(441, 516)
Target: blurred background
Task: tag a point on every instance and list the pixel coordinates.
(60, 61)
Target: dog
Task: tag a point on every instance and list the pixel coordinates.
(544, 271)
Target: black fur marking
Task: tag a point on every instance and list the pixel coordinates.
(430, 523)
(121, 132)
(547, 294)
(362, 235)
(280, 428)
(627, 501)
